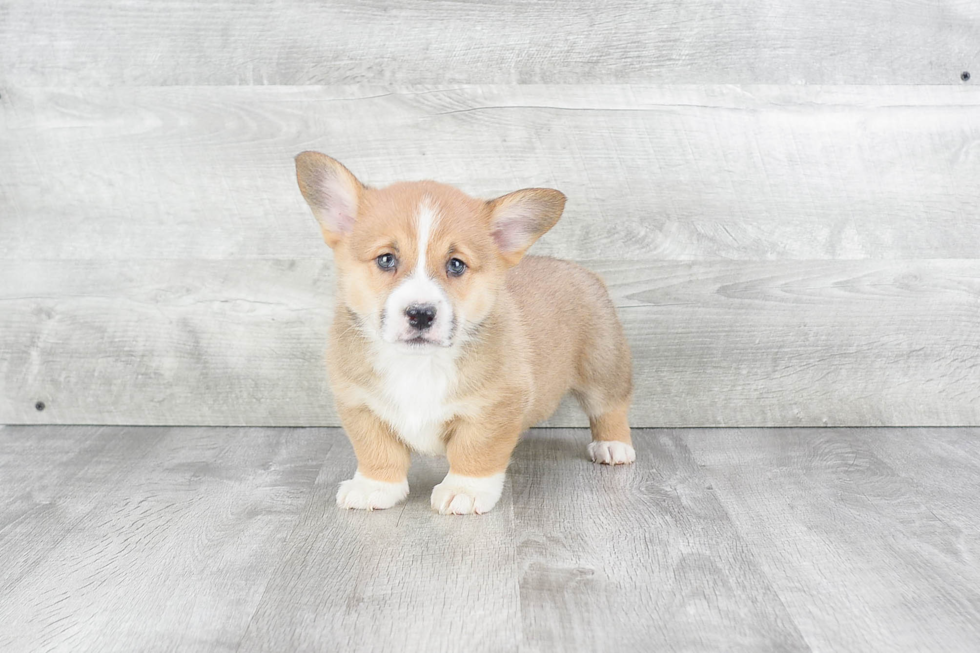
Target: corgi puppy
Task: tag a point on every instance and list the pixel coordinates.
(447, 340)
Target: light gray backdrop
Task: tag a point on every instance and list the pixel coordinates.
(783, 196)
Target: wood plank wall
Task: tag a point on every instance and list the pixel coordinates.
(784, 197)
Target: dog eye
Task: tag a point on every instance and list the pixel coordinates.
(386, 261)
(455, 267)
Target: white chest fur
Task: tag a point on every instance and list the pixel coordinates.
(414, 395)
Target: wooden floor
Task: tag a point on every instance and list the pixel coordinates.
(200, 539)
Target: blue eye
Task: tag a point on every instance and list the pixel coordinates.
(455, 267)
(386, 262)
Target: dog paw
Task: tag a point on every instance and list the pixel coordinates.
(611, 452)
(363, 493)
(466, 495)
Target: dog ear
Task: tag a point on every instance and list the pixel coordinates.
(520, 218)
(332, 192)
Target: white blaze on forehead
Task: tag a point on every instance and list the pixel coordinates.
(419, 288)
(424, 218)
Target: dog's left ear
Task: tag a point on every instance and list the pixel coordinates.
(520, 218)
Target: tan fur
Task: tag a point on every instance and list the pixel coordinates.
(545, 326)
(380, 454)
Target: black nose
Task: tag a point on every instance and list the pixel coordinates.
(421, 316)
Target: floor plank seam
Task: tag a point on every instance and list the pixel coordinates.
(69, 531)
(296, 525)
(750, 551)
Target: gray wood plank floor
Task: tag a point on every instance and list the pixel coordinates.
(199, 539)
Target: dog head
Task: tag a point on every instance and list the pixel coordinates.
(420, 263)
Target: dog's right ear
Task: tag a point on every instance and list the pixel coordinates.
(331, 191)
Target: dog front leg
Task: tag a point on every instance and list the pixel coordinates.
(478, 458)
(381, 479)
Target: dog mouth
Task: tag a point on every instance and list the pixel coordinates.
(420, 341)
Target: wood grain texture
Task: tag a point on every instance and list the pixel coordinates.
(179, 42)
(941, 465)
(202, 539)
(36, 467)
(169, 550)
(849, 544)
(638, 558)
(167, 342)
(405, 579)
(714, 343)
(652, 172)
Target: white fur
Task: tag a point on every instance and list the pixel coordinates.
(611, 452)
(367, 494)
(465, 495)
(424, 218)
(413, 398)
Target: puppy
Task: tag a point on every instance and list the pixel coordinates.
(447, 340)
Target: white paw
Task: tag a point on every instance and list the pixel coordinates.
(611, 452)
(367, 494)
(465, 495)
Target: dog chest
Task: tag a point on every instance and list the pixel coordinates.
(414, 398)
